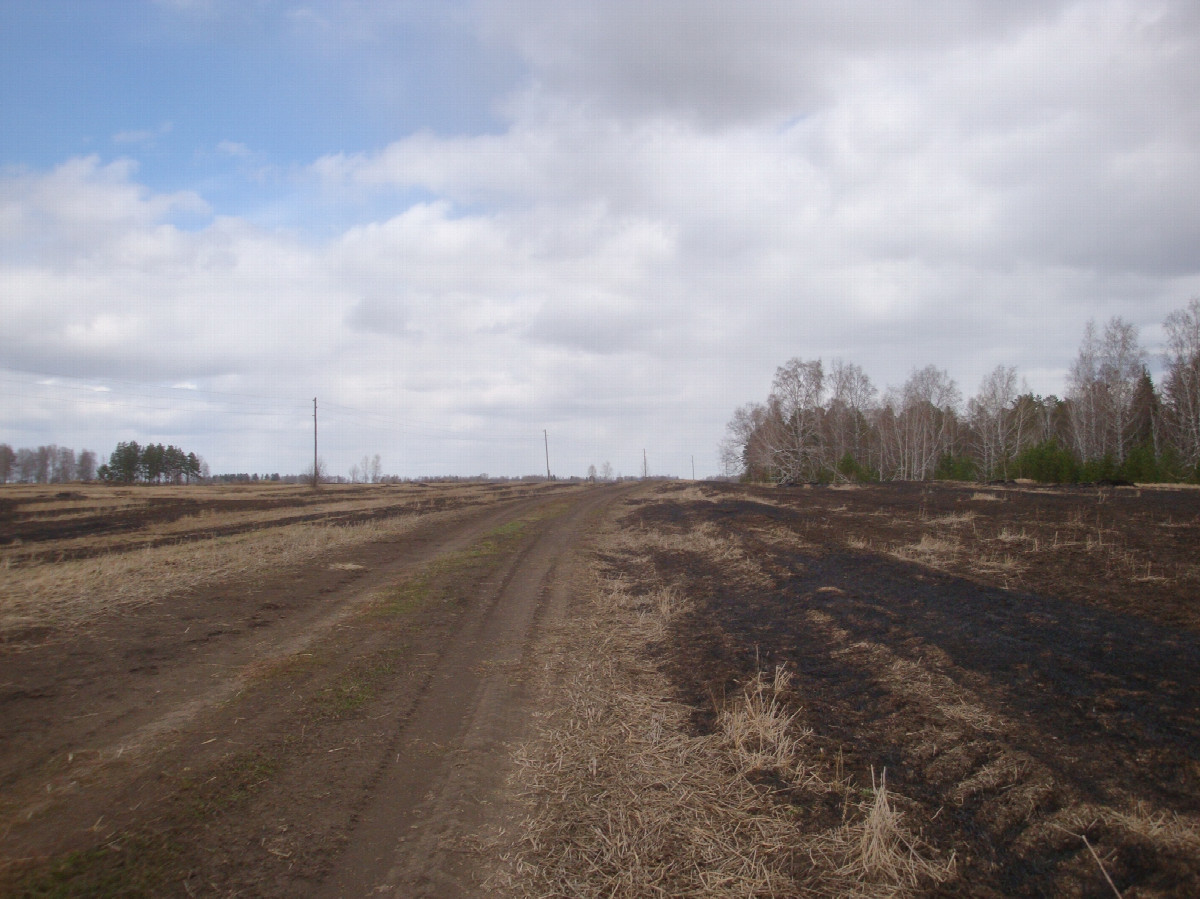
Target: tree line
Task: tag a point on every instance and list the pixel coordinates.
(151, 464)
(831, 423)
(45, 465)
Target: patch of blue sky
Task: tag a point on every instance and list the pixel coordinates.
(233, 96)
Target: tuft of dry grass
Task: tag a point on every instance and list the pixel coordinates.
(878, 855)
(760, 732)
(929, 550)
(954, 518)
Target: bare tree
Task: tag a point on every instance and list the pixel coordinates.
(64, 465)
(851, 395)
(1181, 388)
(1086, 398)
(46, 457)
(996, 418)
(1122, 364)
(1101, 386)
(85, 466)
(591, 474)
(8, 458)
(606, 471)
(26, 465)
(919, 425)
(797, 395)
(376, 468)
(746, 449)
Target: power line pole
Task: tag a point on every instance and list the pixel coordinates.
(546, 439)
(645, 467)
(316, 471)
(693, 468)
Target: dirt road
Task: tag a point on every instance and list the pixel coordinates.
(338, 729)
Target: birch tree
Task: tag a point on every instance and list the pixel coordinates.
(1101, 386)
(796, 395)
(851, 395)
(995, 415)
(1181, 387)
(923, 428)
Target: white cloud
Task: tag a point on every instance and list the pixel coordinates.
(233, 148)
(684, 196)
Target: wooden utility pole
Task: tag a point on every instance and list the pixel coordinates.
(645, 467)
(316, 470)
(693, 468)
(546, 439)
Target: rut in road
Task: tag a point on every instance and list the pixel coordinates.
(440, 795)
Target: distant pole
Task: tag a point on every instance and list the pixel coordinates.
(645, 467)
(693, 468)
(546, 440)
(315, 470)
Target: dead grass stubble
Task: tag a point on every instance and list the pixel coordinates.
(626, 802)
(71, 593)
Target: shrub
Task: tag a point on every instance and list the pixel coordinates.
(955, 468)
(1048, 462)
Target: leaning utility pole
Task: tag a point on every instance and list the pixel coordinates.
(316, 470)
(546, 439)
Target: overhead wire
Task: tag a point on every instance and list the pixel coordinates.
(230, 403)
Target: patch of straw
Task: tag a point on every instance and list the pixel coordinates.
(626, 802)
(878, 855)
(69, 594)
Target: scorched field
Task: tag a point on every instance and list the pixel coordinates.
(656, 688)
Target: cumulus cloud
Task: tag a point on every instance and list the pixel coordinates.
(681, 196)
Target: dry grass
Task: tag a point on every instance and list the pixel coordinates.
(929, 550)
(706, 540)
(759, 731)
(625, 801)
(68, 594)
(954, 518)
(1165, 831)
(690, 494)
(877, 855)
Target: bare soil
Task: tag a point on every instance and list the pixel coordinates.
(338, 727)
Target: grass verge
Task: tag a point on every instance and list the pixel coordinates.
(626, 800)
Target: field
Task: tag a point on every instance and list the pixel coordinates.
(555, 689)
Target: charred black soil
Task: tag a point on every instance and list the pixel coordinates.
(1025, 664)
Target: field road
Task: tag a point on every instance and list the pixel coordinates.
(343, 727)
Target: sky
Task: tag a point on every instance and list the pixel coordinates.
(475, 230)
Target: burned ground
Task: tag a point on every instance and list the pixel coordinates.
(1025, 664)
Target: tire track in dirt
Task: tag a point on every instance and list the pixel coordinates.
(440, 798)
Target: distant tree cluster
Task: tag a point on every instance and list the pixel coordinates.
(45, 465)
(151, 464)
(831, 424)
(369, 471)
(242, 477)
